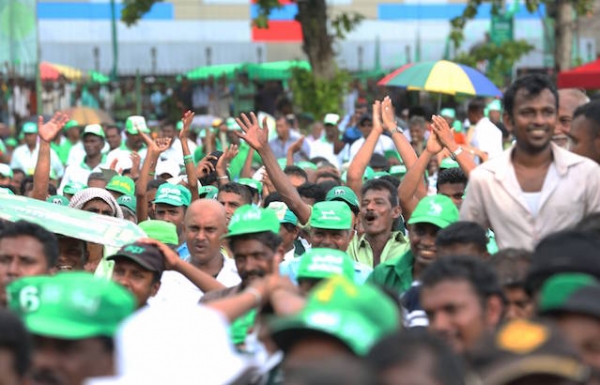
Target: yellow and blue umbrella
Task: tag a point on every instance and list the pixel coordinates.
(444, 77)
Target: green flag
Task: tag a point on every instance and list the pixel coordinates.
(18, 32)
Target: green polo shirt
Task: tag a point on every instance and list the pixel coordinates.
(395, 274)
(361, 251)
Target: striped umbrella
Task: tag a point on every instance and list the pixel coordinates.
(444, 77)
(51, 71)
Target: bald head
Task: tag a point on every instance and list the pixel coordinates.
(568, 101)
(205, 224)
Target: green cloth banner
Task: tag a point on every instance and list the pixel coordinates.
(18, 32)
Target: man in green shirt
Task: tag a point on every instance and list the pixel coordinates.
(379, 210)
(432, 214)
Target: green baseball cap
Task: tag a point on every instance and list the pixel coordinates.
(73, 188)
(29, 128)
(333, 215)
(448, 113)
(128, 201)
(435, 209)
(369, 173)
(398, 170)
(5, 170)
(557, 290)
(134, 124)
(208, 192)
(162, 231)
(284, 214)
(332, 119)
(94, 129)
(148, 256)
(179, 126)
(344, 194)
(232, 125)
(70, 124)
(321, 263)
(448, 163)
(121, 184)
(380, 174)
(307, 165)
(358, 316)
(73, 305)
(58, 200)
(12, 142)
(249, 219)
(495, 105)
(173, 195)
(252, 183)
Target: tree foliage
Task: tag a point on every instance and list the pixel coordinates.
(501, 58)
(318, 96)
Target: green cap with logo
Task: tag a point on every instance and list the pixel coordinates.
(358, 316)
(249, 219)
(128, 201)
(208, 192)
(232, 125)
(29, 128)
(73, 188)
(344, 194)
(58, 200)
(284, 214)
(252, 183)
(162, 231)
(173, 195)
(398, 170)
(448, 163)
(73, 305)
(12, 142)
(121, 184)
(94, 129)
(321, 263)
(135, 124)
(438, 210)
(70, 124)
(5, 170)
(448, 113)
(334, 215)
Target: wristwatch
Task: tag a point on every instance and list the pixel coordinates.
(456, 153)
(398, 129)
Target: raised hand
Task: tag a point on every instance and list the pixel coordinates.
(227, 156)
(377, 127)
(297, 145)
(48, 131)
(205, 166)
(157, 146)
(443, 132)
(171, 257)
(187, 119)
(434, 146)
(388, 115)
(256, 136)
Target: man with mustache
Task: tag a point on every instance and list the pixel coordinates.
(535, 188)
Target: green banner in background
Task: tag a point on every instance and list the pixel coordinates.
(18, 32)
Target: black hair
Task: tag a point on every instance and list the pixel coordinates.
(15, 339)
(405, 348)
(341, 369)
(51, 189)
(272, 197)
(476, 105)
(451, 176)
(590, 224)
(269, 239)
(107, 343)
(295, 170)
(17, 171)
(381, 185)
(96, 176)
(167, 123)
(464, 233)
(318, 159)
(112, 127)
(330, 175)
(511, 266)
(9, 187)
(238, 189)
(327, 185)
(45, 237)
(533, 85)
(312, 191)
(591, 112)
(155, 184)
(479, 274)
(289, 227)
(392, 179)
(23, 188)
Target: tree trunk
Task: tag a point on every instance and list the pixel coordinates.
(564, 35)
(318, 44)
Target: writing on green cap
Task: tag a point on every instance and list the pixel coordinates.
(249, 219)
(332, 215)
(357, 316)
(557, 289)
(121, 184)
(29, 128)
(438, 210)
(321, 263)
(345, 194)
(398, 170)
(162, 231)
(58, 200)
(73, 305)
(208, 192)
(128, 201)
(173, 195)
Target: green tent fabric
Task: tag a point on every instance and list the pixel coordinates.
(279, 70)
(205, 72)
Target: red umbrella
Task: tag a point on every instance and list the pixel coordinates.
(586, 76)
(48, 71)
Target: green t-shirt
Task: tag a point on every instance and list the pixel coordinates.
(237, 163)
(64, 150)
(395, 274)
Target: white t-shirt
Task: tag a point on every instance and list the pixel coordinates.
(176, 288)
(175, 152)
(325, 149)
(384, 143)
(26, 160)
(79, 173)
(487, 137)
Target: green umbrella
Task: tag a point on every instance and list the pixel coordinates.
(216, 71)
(279, 70)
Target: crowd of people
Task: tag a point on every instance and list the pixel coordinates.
(381, 247)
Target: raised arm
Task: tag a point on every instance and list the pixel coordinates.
(47, 132)
(405, 149)
(188, 157)
(155, 148)
(363, 157)
(446, 137)
(294, 148)
(223, 164)
(247, 169)
(257, 138)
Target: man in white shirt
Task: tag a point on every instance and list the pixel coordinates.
(133, 143)
(483, 134)
(25, 156)
(384, 145)
(331, 146)
(175, 151)
(93, 142)
(205, 223)
(285, 138)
